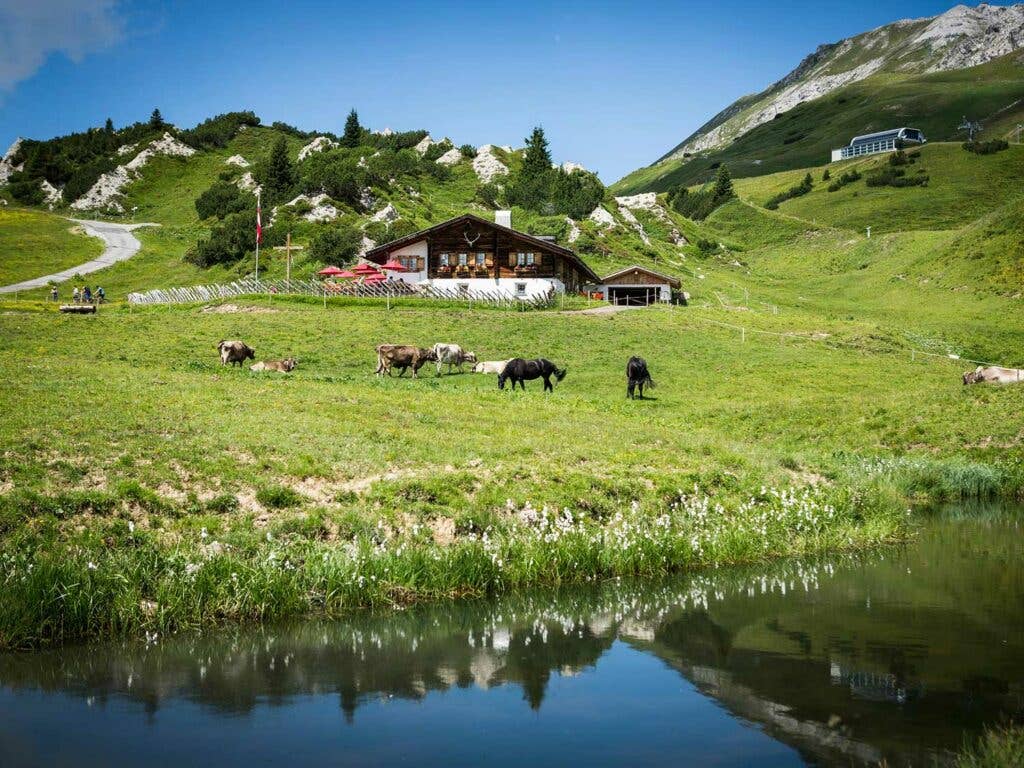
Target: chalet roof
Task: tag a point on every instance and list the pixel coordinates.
(549, 246)
(672, 281)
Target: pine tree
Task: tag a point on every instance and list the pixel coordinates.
(109, 126)
(537, 158)
(156, 120)
(353, 131)
(279, 176)
(826, 175)
(723, 186)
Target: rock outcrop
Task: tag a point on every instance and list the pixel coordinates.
(109, 186)
(237, 160)
(451, 157)
(487, 166)
(7, 166)
(319, 144)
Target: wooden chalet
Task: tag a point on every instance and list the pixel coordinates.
(472, 254)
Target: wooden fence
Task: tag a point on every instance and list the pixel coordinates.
(388, 291)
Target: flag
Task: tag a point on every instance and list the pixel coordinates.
(259, 223)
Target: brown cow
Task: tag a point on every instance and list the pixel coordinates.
(235, 352)
(994, 375)
(402, 356)
(281, 366)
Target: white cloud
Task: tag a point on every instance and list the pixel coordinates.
(31, 30)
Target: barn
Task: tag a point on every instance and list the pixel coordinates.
(474, 256)
(638, 286)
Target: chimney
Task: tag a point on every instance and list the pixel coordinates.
(503, 218)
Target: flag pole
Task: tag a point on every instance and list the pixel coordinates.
(259, 236)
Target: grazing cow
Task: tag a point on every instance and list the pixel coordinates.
(637, 376)
(402, 356)
(994, 374)
(281, 366)
(519, 370)
(451, 354)
(490, 366)
(235, 352)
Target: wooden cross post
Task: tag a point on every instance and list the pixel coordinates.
(288, 248)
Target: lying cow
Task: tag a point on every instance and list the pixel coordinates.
(993, 374)
(451, 354)
(235, 352)
(281, 366)
(402, 356)
(490, 366)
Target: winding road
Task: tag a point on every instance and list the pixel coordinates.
(121, 244)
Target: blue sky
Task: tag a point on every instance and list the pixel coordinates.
(615, 85)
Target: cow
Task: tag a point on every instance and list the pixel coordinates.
(235, 352)
(490, 366)
(451, 354)
(519, 370)
(281, 366)
(637, 376)
(994, 374)
(402, 356)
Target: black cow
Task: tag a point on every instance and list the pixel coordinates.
(520, 370)
(637, 376)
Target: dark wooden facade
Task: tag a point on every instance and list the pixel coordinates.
(471, 247)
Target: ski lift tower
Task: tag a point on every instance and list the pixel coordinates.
(971, 126)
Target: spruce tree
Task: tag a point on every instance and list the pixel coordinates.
(723, 186)
(279, 176)
(109, 126)
(156, 120)
(537, 158)
(353, 131)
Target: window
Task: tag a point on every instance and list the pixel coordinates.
(521, 259)
(529, 259)
(463, 259)
(520, 289)
(444, 260)
(481, 259)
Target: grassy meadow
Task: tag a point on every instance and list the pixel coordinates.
(147, 487)
(808, 396)
(34, 243)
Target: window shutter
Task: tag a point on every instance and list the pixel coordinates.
(511, 259)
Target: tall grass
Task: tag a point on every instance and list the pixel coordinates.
(115, 579)
(999, 748)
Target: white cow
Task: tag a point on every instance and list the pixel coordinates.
(490, 366)
(451, 354)
(994, 374)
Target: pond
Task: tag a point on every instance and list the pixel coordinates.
(897, 654)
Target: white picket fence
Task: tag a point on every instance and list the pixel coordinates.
(391, 290)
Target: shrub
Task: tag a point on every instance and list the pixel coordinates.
(488, 194)
(468, 151)
(223, 504)
(895, 177)
(232, 240)
(846, 178)
(986, 147)
(800, 189)
(218, 131)
(278, 497)
(337, 243)
(335, 173)
(899, 157)
(826, 175)
(221, 199)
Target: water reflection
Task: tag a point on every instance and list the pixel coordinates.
(893, 655)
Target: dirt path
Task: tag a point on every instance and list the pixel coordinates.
(120, 244)
(607, 309)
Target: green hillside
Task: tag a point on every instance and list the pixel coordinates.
(805, 135)
(34, 243)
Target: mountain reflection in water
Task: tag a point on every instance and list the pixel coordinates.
(852, 659)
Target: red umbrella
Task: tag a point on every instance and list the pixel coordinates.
(376, 277)
(331, 271)
(394, 265)
(365, 269)
(346, 275)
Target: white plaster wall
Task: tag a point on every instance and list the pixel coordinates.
(535, 286)
(413, 249)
